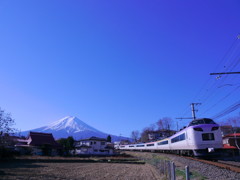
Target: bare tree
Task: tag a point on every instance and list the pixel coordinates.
(234, 121)
(164, 123)
(144, 134)
(160, 124)
(152, 127)
(135, 135)
(6, 123)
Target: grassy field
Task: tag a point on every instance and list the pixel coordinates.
(76, 168)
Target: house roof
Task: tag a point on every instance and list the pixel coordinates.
(93, 138)
(232, 135)
(39, 139)
(226, 146)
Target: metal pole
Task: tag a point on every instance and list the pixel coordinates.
(224, 73)
(193, 111)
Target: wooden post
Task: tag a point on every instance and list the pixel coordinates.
(165, 168)
(187, 173)
(173, 175)
(162, 166)
(169, 170)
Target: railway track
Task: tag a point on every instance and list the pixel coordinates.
(205, 168)
(227, 166)
(230, 163)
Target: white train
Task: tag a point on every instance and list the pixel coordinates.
(202, 137)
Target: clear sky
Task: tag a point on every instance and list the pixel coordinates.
(117, 65)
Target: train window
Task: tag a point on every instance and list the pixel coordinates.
(208, 136)
(196, 122)
(209, 121)
(182, 137)
(163, 142)
(131, 146)
(150, 144)
(201, 121)
(173, 140)
(140, 145)
(178, 138)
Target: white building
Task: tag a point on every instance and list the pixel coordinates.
(93, 146)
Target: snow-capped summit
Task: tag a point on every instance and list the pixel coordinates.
(71, 126)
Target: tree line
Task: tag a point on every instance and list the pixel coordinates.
(164, 123)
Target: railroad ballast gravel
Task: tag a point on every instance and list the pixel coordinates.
(206, 170)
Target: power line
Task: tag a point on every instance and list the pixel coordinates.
(233, 61)
(221, 100)
(230, 109)
(229, 62)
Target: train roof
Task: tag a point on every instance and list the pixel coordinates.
(201, 121)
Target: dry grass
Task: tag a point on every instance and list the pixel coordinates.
(23, 169)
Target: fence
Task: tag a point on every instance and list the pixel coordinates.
(167, 168)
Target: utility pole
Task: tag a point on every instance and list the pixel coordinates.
(193, 109)
(193, 112)
(224, 73)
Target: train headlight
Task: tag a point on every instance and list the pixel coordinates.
(198, 129)
(210, 150)
(214, 128)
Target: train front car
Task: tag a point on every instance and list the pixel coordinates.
(204, 138)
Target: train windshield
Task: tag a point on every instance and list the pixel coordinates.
(201, 121)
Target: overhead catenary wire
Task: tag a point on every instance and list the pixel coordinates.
(212, 85)
(233, 64)
(235, 41)
(230, 109)
(222, 99)
(209, 93)
(209, 78)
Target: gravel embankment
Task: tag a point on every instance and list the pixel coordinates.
(204, 170)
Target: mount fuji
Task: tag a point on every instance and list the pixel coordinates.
(72, 126)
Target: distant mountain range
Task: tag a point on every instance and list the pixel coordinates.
(72, 126)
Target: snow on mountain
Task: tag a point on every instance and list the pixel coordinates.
(71, 126)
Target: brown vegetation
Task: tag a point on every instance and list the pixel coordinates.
(59, 169)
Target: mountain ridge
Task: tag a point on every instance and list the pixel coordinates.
(72, 126)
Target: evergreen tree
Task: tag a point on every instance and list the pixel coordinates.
(109, 138)
(67, 143)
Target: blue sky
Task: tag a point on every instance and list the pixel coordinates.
(117, 65)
